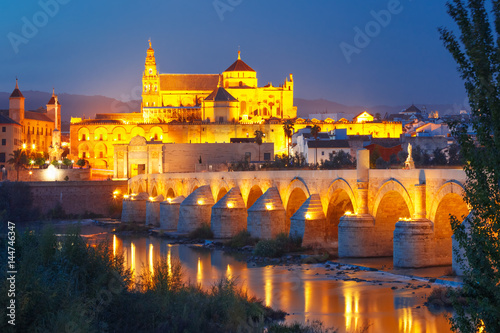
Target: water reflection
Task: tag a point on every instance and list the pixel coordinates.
(348, 305)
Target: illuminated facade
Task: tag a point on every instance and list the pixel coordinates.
(30, 130)
(201, 108)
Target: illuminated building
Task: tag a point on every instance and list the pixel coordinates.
(199, 108)
(24, 129)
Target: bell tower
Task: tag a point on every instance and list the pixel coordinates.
(16, 105)
(150, 81)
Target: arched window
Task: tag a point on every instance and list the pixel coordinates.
(241, 84)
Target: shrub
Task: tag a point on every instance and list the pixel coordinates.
(241, 239)
(278, 246)
(202, 232)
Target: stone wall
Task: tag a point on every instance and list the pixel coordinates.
(77, 197)
(49, 175)
(185, 157)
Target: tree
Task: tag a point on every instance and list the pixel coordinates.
(477, 53)
(18, 160)
(439, 157)
(378, 116)
(258, 139)
(81, 163)
(288, 129)
(314, 132)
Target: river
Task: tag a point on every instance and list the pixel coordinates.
(383, 302)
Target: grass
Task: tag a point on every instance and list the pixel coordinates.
(241, 239)
(65, 285)
(202, 232)
(278, 246)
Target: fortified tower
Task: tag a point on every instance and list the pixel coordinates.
(16, 105)
(53, 110)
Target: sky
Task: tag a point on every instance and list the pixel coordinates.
(354, 52)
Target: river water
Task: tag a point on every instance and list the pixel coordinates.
(306, 292)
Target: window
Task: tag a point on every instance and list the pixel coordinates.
(119, 137)
(4, 142)
(4, 129)
(101, 154)
(322, 153)
(267, 156)
(100, 137)
(84, 154)
(2, 157)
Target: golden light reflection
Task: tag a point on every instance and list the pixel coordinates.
(308, 298)
(268, 285)
(169, 260)
(199, 275)
(351, 310)
(151, 263)
(114, 246)
(406, 321)
(132, 258)
(229, 273)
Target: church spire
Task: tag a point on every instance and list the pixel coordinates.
(239, 55)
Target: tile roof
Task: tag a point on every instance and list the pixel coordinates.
(220, 95)
(7, 120)
(189, 81)
(239, 66)
(33, 115)
(53, 101)
(412, 109)
(328, 144)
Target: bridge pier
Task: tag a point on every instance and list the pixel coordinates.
(357, 237)
(195, 210)
(266, 217)
(134, 208)
(169, 213)
(229, 215)
(414, 244)
(309, 222)
(153, 211)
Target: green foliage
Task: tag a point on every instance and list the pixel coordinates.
(439, 158)
(402, 156)
(202, 232)
(243, 238)
(340, 160)
(81, 163)
(278, 246)
(243, 165)
(67, 162)
(374, 156)
(380, 163)
(454, 155)
(476, 51)
(19, 160)
(313, 327)
(16, 202)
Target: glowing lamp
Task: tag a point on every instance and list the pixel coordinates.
(308, 216)
(230, 205)
(24, 146)
(348, 213)
(114, 196)
(269, 206)
(33, 146)
(151, 198)
(60, 162)
(169, 200)
(126, 196)
(73, 161)
(32, 162)
(31, 172)
(200, 202)
(116, 192)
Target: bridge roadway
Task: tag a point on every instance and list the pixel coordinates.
(366, 212)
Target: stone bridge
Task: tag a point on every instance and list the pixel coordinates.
(365, 212)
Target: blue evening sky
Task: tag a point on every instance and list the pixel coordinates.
(98, 47)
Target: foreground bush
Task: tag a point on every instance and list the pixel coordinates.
(202, 232)
(278, 246)
(66, 285)
(241, 239)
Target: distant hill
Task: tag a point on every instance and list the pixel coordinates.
(74, 105)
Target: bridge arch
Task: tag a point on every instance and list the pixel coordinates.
(221, 190)
(254, 193)
(340, 200)
(296, 193)
(391, 204)
(170, 193)
(154, 192)
(448, 201)
(392, 185)
(193, 186)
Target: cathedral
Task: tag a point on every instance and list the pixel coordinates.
(189, 108)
